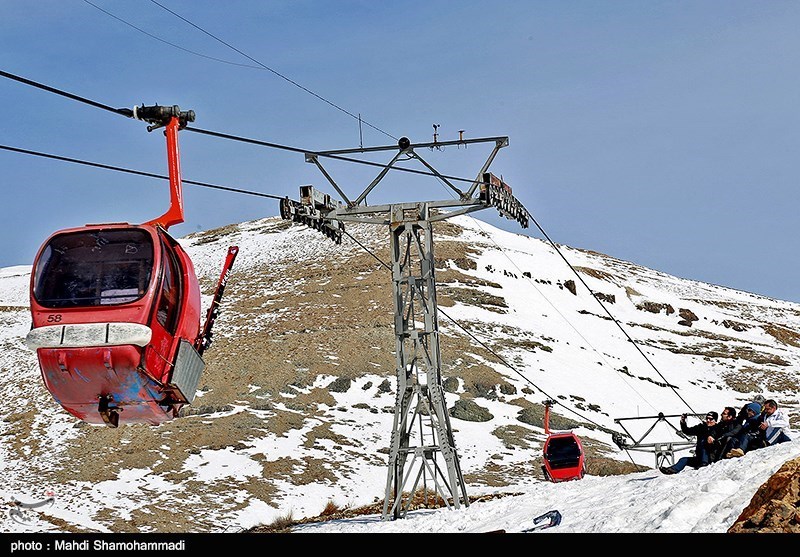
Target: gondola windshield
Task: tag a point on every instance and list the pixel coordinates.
(563, 452)
(94, 268)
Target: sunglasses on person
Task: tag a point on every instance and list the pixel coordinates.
(710, 419)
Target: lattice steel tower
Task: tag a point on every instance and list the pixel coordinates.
(421, 432)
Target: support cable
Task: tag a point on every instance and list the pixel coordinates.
(280, 75)
(129, 24)
(564, 317)
(135, 172)
(121, 111)
(327, 155)
(555, 246)
(602, 305)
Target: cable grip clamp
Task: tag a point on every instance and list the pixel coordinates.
(159, 116)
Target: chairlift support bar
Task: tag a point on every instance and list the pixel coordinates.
(436, 173)
(662, 449)
(381, 214)
(313, 159)
(385, 170)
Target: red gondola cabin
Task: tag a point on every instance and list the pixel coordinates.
(563, 455)
(116, 312)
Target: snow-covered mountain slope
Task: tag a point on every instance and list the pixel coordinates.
(296, 403)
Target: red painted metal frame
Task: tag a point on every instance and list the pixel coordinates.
(174, 214)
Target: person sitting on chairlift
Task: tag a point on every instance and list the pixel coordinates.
(703, 448)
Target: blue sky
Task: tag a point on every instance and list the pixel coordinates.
(663, 133)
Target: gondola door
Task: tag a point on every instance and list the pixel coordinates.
(164, 320)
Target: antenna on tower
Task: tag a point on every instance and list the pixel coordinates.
(436, 138)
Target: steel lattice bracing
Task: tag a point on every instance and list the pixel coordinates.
(423, 461)
(422, 458)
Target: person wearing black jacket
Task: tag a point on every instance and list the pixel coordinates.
(717, 437)
(735, 441)
(703, 448)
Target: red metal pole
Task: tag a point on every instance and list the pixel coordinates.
(174, 214)
(547, 418)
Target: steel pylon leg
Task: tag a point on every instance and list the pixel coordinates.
(421, 431)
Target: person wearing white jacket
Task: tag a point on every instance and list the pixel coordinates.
(774, 425)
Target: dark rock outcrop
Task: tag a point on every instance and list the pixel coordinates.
(735, 325)
(450, 384)
(468, 410)
(655, 307)
(340, 385)
(608, 298)
(687, 317)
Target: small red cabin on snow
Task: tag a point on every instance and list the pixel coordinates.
(116, 311)
(563, 455)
